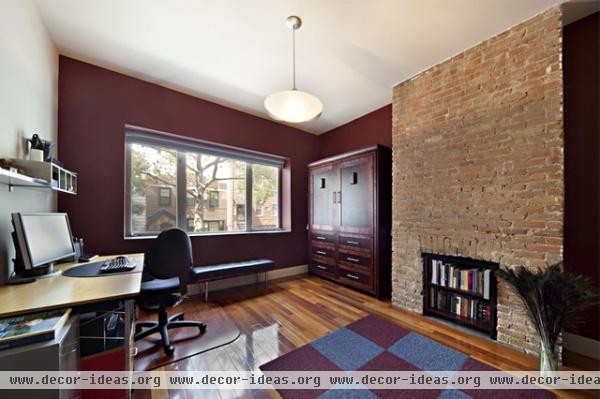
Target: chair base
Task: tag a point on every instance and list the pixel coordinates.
(163, 325)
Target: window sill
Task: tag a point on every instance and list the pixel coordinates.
(225, 233)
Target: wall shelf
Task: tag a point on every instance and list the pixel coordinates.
(40, 175)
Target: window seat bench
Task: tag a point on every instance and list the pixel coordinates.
(204, 274)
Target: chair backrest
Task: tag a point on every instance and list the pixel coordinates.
(170, 256)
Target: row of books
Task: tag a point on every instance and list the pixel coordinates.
(468, 280)
(469, 308)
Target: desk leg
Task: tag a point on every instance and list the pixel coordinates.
(127, 337)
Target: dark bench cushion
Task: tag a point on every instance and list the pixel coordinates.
(225, 270)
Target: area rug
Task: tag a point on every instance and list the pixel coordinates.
(220, 330)
(375, 344)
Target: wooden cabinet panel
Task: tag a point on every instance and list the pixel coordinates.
(323, 193)
(355, 198)
(350, 219)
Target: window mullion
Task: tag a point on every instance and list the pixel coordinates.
(249, 225)
(181, 217)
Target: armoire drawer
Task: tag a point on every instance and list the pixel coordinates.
(356, 243)
(361, 280)
(354, 259)
(322, 252)
(323, 238)
(322, 268)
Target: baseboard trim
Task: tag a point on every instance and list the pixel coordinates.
(582, 345)
(218, 285)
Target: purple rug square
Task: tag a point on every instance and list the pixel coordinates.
(305, 358)
(348, 394)
(390, 362)
(378, 330)
(474, 365)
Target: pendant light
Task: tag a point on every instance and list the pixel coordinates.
(293, 106)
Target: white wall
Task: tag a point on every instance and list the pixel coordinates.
(28, 105)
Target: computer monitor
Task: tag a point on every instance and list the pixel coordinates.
(42, 239)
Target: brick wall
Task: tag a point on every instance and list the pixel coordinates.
(478, 164)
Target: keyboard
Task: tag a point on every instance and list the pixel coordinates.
(118, 264)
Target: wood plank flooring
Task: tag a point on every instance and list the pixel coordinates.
(296, 311)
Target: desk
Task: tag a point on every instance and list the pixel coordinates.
(72, 292)
(64, 292)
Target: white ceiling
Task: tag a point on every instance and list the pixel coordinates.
(350, 53)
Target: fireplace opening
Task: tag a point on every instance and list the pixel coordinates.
(461, 290)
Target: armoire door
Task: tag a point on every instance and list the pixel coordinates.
(355, 198)
(324, 184)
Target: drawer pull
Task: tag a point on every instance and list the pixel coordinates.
(352, 276)
(322, 252)
(351, 259)
(352, 242)
(321, 267)
(321, 238)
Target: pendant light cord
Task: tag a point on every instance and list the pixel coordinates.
(294, 58)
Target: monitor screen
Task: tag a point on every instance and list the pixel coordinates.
(46, 237)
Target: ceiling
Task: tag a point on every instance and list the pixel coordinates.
(350, 53)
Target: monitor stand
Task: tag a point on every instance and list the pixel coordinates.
(51, 272)
(38, 272)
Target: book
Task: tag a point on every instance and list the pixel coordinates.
(434, 271)
(30, 328)
(486, 284)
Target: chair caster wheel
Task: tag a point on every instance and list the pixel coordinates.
(169, 350)
(202, 328)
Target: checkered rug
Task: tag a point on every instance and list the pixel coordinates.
(375, 344)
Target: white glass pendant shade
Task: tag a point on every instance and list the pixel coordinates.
(293, 106)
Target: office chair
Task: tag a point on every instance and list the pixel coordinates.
(167, 271)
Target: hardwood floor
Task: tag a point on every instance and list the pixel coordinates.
(296, 311)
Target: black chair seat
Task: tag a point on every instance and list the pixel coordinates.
(224, 270)
(160, 286)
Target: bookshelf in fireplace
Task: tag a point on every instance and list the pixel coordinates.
(460, 290)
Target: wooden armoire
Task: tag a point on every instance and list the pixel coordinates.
(349, 239)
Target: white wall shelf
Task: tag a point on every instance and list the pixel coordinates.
(40, 175)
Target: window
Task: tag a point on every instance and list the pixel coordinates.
(199, 188)
(213, 199)
(164, 198)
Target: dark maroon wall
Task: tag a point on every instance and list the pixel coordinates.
(372, 128)
(582, 165)
(94, 106)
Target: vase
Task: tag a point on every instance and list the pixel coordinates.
(548, 359)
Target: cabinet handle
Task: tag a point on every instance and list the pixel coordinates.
(133, 351)
(322, 252)
(335, 197)
(339, 197)
(321, 267)
(352, 276)
(355, 260)
(352, 242)
(321, 238)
